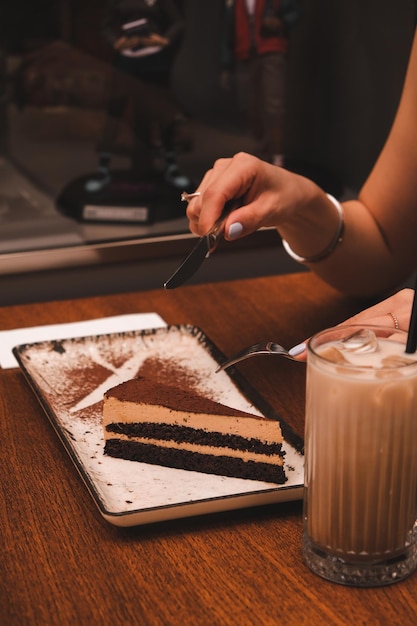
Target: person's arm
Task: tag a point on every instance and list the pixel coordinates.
(378, 248)
(302, 214)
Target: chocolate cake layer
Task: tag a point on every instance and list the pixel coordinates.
(152, 422)
(179, 434)
(183, 459)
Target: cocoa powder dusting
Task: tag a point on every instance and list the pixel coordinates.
(170, 373)
(149, 391)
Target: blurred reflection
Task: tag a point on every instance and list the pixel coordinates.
(145, 36)
(256, 41)
(101, 114)
(115, 99)
(60, 129)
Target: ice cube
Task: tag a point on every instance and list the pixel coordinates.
(396, 360)
(392, 362)
(363, 340)
(333, 354)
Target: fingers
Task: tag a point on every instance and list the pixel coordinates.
(246, 220)
(299, 352)
(396, 307)
(204, 209)
(193, 210)
(242, 177)
(392, 311)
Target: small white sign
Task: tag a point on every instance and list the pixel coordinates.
(99, 212)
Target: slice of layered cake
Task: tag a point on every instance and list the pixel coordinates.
(155, 423)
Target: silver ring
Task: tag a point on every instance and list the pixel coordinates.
(186, 197)
(395, 320)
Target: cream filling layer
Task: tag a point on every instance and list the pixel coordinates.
(270, 459)
(262, 429)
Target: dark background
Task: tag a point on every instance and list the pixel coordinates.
(345, 70)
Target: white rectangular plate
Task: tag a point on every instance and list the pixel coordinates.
(69, 378)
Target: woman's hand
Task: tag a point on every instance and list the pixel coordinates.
(392, 311)
(270, 196)
(384, 313)
(348, 245)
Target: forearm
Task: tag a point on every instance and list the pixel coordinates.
(359, 262)
(361, 265)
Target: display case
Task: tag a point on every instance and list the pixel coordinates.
(56, 82)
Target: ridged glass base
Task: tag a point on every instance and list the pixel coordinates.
(360, 574)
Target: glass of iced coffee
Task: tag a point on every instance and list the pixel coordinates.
(360, 499)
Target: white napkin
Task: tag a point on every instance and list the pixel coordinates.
(118, 323)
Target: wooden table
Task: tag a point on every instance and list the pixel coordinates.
(62, 563)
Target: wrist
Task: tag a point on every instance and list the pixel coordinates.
(332, 245)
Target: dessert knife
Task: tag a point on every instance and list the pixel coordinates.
(205, 246)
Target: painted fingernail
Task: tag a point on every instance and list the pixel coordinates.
(298, 349)
(235, 230)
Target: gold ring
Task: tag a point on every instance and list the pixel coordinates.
(395, 320)
(186, 197)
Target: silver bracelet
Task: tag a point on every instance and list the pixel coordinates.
(338, 238)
